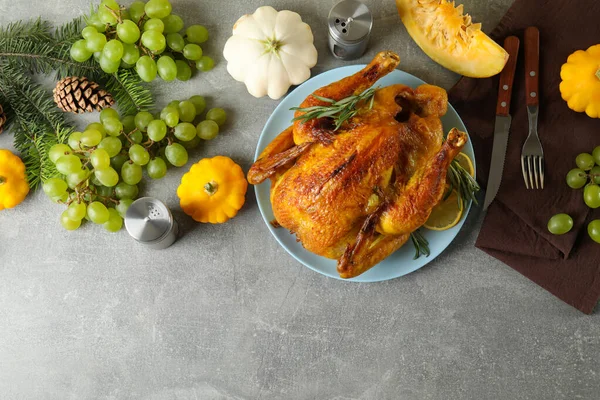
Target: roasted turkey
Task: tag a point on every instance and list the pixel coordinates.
(355, 194)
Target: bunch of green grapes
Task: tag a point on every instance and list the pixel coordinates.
(586, 176)
(101, 167)
(145, 36)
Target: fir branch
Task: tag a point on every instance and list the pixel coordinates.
(130, 93)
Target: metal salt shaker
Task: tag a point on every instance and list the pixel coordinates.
(150, 222)
(350, 23)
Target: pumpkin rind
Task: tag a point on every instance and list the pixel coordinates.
(580, 86)
(13, 181)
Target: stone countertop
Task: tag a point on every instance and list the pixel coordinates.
(226, 313)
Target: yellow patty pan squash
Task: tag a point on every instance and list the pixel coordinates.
(213, 190)
(450, 38)
(580, 86)
(13, 182)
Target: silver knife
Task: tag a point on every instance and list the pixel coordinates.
(503, 120)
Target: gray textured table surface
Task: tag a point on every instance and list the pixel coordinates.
(226, 313)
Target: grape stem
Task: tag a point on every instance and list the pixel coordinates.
(127, 135)
(114, 14)
(141, 21)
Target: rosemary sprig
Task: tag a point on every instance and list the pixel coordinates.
(421, 244)
(463, 182)
(340, 111)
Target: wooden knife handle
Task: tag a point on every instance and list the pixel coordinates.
(532, 65)
(511, 45)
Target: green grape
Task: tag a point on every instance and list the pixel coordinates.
(108, 177)
(97, 212)
(57, 151)
(175, 41)
(153, 40)
(105, 14)
(95, 22)
(576, 178)
(185, 131)
(139, 155)
(596, 155)
(88, 30)
(157, 168)
(131, 54)
(95, 42)
(136, 137)
(591, 195)
(60, 199)
(173, 23)
(218, 115)
(192, 51)
(154, 24)
(184, 72)
(96, 126)
(128, 123)
(142, 120)
(158, 8)
(157, 130)
(128, 32)
(68, 223)
(207, 130)
(131, 173)
(109, 66)
(196, 34)
(170, 115)
(100, 158)
(192, 144)
(176, 154)
(113, 50)
(560, 224)
(125, 65)
(205, 64)
(76, 178)
(146, 68)
(187, 111)
(68, 164)
(199, 102)
(585, 161)
(113, 126)
(126, 191)
(117, 161)
(594, 230)
(174, 104)
(136, 11)
(123, 206)
(167, 69)
(76, 211)
(125, 15)
(79, 51)
(97, 56)
(108, 113)
(73, 140)
(91, 137)
(54, 187)
(115, 222)
(595, 174)
(111, 145)
(104, 191)
(94, 181)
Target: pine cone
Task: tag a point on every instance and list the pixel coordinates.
(79, 95)
(2, 118)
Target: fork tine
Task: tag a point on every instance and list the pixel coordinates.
(535, 172)
(529, 169)
(541, 159)
(524, 173)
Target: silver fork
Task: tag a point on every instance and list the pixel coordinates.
(532, 154)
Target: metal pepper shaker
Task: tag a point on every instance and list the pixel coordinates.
(350, 23)
(150, 222)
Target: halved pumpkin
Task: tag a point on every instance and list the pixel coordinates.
(450, 38)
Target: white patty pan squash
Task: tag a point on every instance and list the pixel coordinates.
(270, 51)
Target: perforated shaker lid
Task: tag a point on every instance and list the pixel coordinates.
(148, 219)
(350, 21)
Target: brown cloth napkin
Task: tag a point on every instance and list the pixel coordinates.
(514, 230)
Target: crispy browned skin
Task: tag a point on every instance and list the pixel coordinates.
(356, 194)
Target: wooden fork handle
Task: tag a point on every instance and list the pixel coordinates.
(507, 76)
(532, 65)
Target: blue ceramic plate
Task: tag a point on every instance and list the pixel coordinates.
(401, 262)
